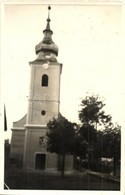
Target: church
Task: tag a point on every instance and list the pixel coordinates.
(28, 142)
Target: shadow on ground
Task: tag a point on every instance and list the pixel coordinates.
(86, 180)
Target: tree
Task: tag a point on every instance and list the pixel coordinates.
(92, 117)
(91, 112)
(111, 144)
(89, 133)
(98, 131)
(6, 152)
(61, 138)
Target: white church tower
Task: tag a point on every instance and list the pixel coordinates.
(28, 144)
(44, 100)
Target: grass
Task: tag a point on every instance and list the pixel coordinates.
(17, 179)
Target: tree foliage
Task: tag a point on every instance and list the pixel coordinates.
(95, 138)
(61, 137)
(97, 134)
(92, 116)
(91, 112)
(111, 141)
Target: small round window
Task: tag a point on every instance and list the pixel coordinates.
(43, 112)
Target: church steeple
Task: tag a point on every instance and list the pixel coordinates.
(48, 19)
(47, 46)
(29, 133)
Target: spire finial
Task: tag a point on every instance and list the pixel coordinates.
(47, 44)
(49, 8)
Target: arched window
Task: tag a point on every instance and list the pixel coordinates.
(45, 80)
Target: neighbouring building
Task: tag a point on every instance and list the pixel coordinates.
(28, 143)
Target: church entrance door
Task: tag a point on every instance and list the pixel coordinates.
(40, 161)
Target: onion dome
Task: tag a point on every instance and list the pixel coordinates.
(47, 44)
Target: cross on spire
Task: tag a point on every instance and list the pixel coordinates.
(49, 8)
(48, 19)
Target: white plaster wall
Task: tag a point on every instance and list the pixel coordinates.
(44, 98)
(17, 145)
(32, 147)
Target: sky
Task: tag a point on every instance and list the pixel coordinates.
(91, 49)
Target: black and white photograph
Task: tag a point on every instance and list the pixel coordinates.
(62, 96)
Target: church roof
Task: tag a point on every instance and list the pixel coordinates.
(47, 44)
(20, 123)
